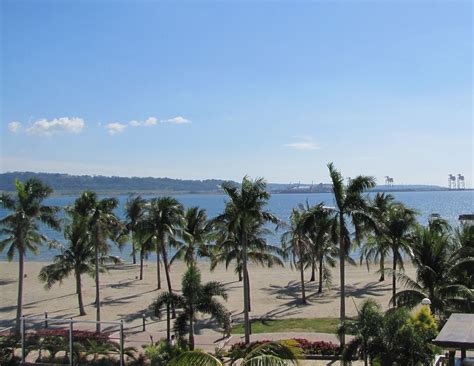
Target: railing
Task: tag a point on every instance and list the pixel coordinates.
(5, 330)
(70, 323)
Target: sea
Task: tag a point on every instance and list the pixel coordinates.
(448, 204)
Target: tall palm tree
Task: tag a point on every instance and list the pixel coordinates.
(398, 228)
(103, 225)
(318, 223)
(376, 248)
(144, 240)
(134, 211)
(297, 244)
(437, 263)
(244, 209)
(228, 248)
(350, 205)
(196, 235)
(196, 298)
(165, 218)
(77, 258)
(20, 231)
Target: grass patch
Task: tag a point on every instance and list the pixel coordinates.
(318, 325)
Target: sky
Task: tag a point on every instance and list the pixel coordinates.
(223, 89)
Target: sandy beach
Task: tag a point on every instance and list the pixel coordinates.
(275, 293)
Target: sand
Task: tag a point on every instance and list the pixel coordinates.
(275, 293)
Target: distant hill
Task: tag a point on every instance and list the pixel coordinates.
(72, 184)
(65, 183)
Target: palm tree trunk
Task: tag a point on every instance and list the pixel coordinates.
(246, 291)
(342, 260)
(313, 270)
(191, 331)
(320, 285)
(141, 264)
(366, 363)
(158, 274)
(134, 257)
(19, 307)
(303, 292)
(79, 293)
(97, 292)
(240, 276)
(168, 277)
(168, 324)
(382, 268)
(394, 279)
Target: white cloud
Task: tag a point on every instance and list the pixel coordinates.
(43, 127)
(14, 126)
(150, 121)
(115, 127)
(179, 120)
(305, 143)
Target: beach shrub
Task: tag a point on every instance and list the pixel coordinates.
(8, 345)
(317, 347)
(161, 352)
(307, 347)
(405, 339)
(7, 356)
(396, 337)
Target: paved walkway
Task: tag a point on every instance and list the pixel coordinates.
(208, 341)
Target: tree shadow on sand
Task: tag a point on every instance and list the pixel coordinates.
(293, 291)
(6, 282)
(371, 289)
(115, 301)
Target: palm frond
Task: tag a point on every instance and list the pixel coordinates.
(195, 358)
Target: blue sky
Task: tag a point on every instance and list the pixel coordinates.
(223, 89)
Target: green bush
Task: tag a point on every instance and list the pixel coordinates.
(162, 352)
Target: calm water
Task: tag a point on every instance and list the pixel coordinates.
(448, 204)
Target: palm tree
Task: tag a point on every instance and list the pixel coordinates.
(398, 229)
(365, 329)
(20, 230)
(437, 263)
(297, 244)
(350, 204)
(283, 353)
(376, 248)
(77, 258)
(244, 210)
(144, 240)
(228, 248)
(103, 225)
(196, 234)
(318, 223)
(196, 298)
(464, 242)
(134, 211)
(165, 219)
(439, 225)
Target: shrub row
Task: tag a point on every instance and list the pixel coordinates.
(307, 347)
